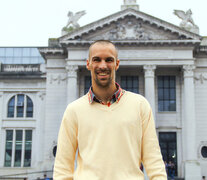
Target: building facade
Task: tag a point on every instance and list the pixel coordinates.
(161, 61)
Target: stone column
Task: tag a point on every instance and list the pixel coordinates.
(192, 167)
(72, 87)
(149, 74)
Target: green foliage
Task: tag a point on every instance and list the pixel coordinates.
(69, 29)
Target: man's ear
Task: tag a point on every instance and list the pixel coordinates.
(87, 64)
(117, 64)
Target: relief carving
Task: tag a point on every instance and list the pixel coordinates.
(57, 78)
(188, 70)
(42, 95)
(149, 70)
(201, 77)
(72, 70)
(130, 30)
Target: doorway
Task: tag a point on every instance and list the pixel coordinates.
(168, 145)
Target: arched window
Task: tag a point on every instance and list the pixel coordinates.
(20, 105)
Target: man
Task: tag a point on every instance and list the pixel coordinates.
(112, 129)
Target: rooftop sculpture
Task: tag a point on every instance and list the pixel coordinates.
(187, 22)
(72, 21)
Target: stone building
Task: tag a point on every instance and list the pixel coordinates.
(165, 63)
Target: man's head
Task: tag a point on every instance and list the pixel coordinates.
(103, 63)
(102, 42)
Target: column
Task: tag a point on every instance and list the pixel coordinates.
(149, 74)
(192, 167)
(72, 87)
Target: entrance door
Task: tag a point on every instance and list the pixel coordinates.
(168, 145)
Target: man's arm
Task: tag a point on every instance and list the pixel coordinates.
(151, 155)
(66, 148)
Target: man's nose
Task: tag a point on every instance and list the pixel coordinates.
(102, 64)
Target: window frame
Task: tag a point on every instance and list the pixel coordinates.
(23, 147)
(130, 76)
(25, 107)
(169, 91)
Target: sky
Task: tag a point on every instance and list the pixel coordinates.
(33, 22)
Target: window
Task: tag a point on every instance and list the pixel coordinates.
(168, 145)
(22, 55)
(130, 83)
(18, 148)
(20, 106)
(87, 82)
(166, 93)
(204, 151)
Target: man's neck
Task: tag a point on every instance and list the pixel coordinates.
(104, 94)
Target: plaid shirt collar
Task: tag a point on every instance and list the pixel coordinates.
(115, 98)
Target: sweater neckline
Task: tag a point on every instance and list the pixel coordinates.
(112, 106)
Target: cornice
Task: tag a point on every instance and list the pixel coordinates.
(51, 50)
(137, 42)
(121, 15)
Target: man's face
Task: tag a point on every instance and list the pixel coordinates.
(103, 64)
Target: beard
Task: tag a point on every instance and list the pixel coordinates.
(107, 82)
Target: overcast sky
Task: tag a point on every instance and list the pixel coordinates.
(32, 22)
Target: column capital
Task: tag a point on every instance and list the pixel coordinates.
(72, 70)
(188, 70)
(149, 70)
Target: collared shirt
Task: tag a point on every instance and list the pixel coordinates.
(115, 98)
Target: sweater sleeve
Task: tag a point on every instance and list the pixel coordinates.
(151, 155)
(66, 147)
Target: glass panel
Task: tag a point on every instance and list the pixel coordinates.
(160, 106)
(166, 94)
(34, 52)
(25, 60)
(87, 84)
(172, 81)
(166, 105)
(2, 51)
(160, 82)
(9, 52)
(18, 148)
(172, 94)
(28, 148)
(17, 60)
(135, 81)
(129, 82)
(8, 152)
(123, 82)
(160, 94)
(172, 106)
(8, 60)
(34, 60)
(11, 107)
(29, 107)
(18, 52)
(20, 105)
(135, 90)
(26, 52)
(166, 81)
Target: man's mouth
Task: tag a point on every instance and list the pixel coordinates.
(102, 74)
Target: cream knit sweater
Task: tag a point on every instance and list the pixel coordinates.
(111, 141)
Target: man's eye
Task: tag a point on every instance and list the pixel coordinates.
(109, 59)
(96, 59)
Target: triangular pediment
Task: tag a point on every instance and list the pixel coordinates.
(130, 25)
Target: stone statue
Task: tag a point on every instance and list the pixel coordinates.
(187, 20)
(129, 2)
(73, 18)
